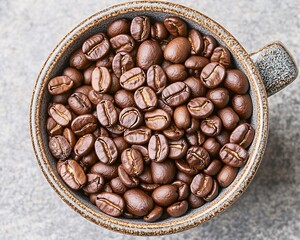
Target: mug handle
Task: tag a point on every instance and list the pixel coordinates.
(276, 67)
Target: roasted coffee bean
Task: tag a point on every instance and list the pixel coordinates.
(119, 26)
(184, 166)
(130, 117)
(138, 202)
(176, 72)
(122, 62)
(61, 98)
(101, 79)
(176, 26)
(126, 179)
(87, 74)
(194, 201)
(107, 171)
(75, 75)
(122, 43)
(201, 185)
(211, 126)
(156, 78)
(116, 129)
(221, 55)
(120, 143)
(176, 94)
(110, 203)
(197, 157)
(115, 84)
(124, 98)
(183, 190)
(140, 28)
(96, 47)
(84, 145)
(53, 128)
(105, 61)
(145, 98)
(193, 127)
(59, 85)
(209, 46)
(93, 197)
(149, 53)
(177, 148)
(242, 135)
(146, 176)
(154, 215)
(132, 161)
(223, 137)
(177, 50)
(84, 124)
(178, 209)
(157, 119)
(107, 113)
(159, 31)
(85, 89)
(59, 147)
(163, 172)
(117, 186)
(227, 175)
(96, 97)
(182, 117)
(200, 107)
(106, 150)
(181, 176)
(213, 74)
(214, 192)
(236, 81)
(195, 139)
(149, 187)
(60, 114)
(196, 41)
(213, 168)
(137, 136)
(165, 107)
(165, 195)
(70, 136)
(79, 60)
(242, 105)
(219, 97)
(233, 155)
(212, 146)
(133, 79)
(229, 118)
(89, 160)
(173, 132)
(158, 148)
(80, 103)
(197, 87)
(196, 62)
(95, 183)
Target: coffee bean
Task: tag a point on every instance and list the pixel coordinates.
(219, 97)
(176, 94)
(214, 192)
(133, 79)
(84, 124)
(242, 135)
(178, 209)
(115, 84)
(201, 185)
(59, 85)
(213, 168)
(165, 195)
(107, 171)
(87, 75)
(95, 183)
(233, 155)
(227, 175)
(196, 138)
(96, 97)
(80, 103)
(132, 161)
(89, 160)
(182, 117)
(117, 186)
(126, 179)
(177, 50)
(116, 129)
(212, 146)
(154, 215)
(110, 203)
(213, 74)
(119, 26)
(159, 31)
(221, 55)
(105, 61)
(101, 79)
(107, 113)
(200, 107)
(75, 75)
(157, 119)
(96, 47)
(106, 150)
(70, 136)
(137, 136)
(156, 78)
(177, 148)
(60, 147)
(149, 187)
(193, 127)
(181, 176)
(209, 45)
(236, 81)
(71, 173)
(196, 62)
(242, 105)
(53, 128)
(223, 137)
(140, 28)
(121, 144)
(165, 107)
(173, 132)
(196, 41)
(184, 167)
(146, 176)
(138, 202)
(84, 145)
(79, 60)
(229, 118)
(196, 86)
(85, 89)
(60, 114)
(61, 98)
(176, 26)
(194, 201)
(124, 98)
(122, 43)
(211, 126)
(176, 72)
(130, 117)
(145, 98)
(144, 151)
(197, 157)
(163, 172)
(183, 190)
(158, 148)
(121, 63)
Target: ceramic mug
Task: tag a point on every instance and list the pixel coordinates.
(269, 70)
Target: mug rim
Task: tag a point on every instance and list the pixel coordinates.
(174, 225)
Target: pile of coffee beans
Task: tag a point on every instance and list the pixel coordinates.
(150, 119)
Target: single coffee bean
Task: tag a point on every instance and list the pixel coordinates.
(156, 78)
(60, 84)
(173, 132)
(137, 136)
(165, 195)
(130, 117)
(146, 176)
(157, 119)
(165, 107)
(79, 60)
(88, 160)
(212, 146)
(119, 26)
(149, 187)
(213, 74)
(154, 215)
(194, 201)
(200, 107)
(184, 167)
(178, 209)
(233, 155)
(138, 202)
(101, 79)
(96, 47)
(124, 98)
(223, 137)
(195, 139)
(60, 114)
(219, 97)
(242, 135)
(61, 98)
(196, 41)
(59, 147)
(107, 113)
(227, 175)
(126, 179)
(132, 161)
(209, 46)
(197, 87)
(80, 103)
(181, 176)
(182, 117)
(183, 190)
(96, 97)
(93, 197)
(221, 55)
(196, 62)
(242, 105)
(201, 185)
(106, 150)
(121, 144)
(116, 129)
(122, 43)
(140, 28)
(159, 31)
(95, 183)
(84, 145)
(213, 168)
(84, 124)
(121, 63)
(176, 94)
(229, 118)
(87, 74)
(177, 50)
(85, 89)
(177, 148)
(176, 72)
(193, 127)
(163, 172)
(70, 136)
(158, 148)
(145, 98)
(214, 192)
(175, 26)
(107, 171)
(197, 157)
(53, 128)
(75, 75)
(110, 203)
(132, 79)
(105, 61)
(211, 126)
(107, 188)
(117, 186)
(236, 81)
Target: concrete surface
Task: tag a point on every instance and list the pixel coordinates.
(29, 208)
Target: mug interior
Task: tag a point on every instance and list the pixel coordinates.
(59, 59)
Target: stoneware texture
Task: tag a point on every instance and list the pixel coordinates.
(31, 210)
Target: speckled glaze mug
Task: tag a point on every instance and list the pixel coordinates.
(269, 70)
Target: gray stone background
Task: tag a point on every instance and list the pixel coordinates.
(29, 208)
